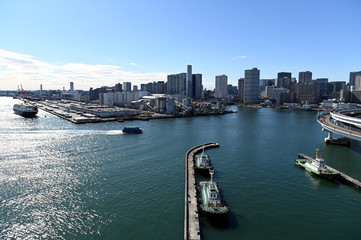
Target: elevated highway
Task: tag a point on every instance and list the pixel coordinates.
(346, 123)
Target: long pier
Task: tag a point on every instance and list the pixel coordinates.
(342, 176)
(191, 216)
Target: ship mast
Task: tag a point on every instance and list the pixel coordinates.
(211, 172)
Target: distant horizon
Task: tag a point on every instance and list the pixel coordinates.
(111, 42)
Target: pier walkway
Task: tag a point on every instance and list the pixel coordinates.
(191, 217)
(342, 176)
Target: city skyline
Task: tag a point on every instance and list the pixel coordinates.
(101, 44)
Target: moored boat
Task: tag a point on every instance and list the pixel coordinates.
(211, 202)
(203, 163)
(316, 166)
(25, 110)
(132, 129)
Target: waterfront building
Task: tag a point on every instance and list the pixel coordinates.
(305, 77)
(127, 86)
(308, 93)
(251, 86)
(283, 79)
(120, 98)
(189, 82)
(353, 77)
(221, 86)
(280, 95)
(197, 86)
(240, 89)
(269, 91)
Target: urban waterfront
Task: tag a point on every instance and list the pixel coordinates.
(59, 180)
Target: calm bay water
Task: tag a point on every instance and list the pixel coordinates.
(64, 181)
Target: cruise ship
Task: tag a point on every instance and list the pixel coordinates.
(25, 110)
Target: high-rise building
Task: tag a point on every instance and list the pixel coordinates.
(358, 82)
(353, 77)
(240, 89)
(118, 87)
(176, 83)
(283, 79)
(197, 86)
(189, 80)
(135, 88)
(251, 86)
(127, 86)
(221, 86)
(71, 86)
(305, 77)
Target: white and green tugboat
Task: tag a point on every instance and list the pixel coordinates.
(211, 203)
(203, 163)
(316, 166)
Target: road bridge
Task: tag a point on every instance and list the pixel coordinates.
(345, 123)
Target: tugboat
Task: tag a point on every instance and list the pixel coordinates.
(211, 202)
(132, 129)
(316, 166)
(203, 163)
(25, 110)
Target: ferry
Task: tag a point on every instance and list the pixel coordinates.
(132, 129)
(211, 202)
(316, 167)
(203, 163)
(25, 110)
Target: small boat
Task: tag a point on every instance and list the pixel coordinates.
(132, 129)
(203, 163)
(211, 203)
(316, 167)
(25, 110)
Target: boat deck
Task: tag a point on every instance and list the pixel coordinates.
(342, 176)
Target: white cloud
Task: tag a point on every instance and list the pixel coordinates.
(132, 63)
(239, 57)
(16, 69)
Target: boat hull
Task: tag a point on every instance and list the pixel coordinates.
(130, 130)
(327, 175)
(25, 111)
(210, 211)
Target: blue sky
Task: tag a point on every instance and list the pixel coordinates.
(100, 43)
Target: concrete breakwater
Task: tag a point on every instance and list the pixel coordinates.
(191, 213)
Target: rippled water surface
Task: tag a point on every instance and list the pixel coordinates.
(64, 181)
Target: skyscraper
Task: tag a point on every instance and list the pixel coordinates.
(240, 89)
(71, 86)
(251, 86)
(305, 77)
(353, 77)
(176, 83)
(221, 86)
(127, 86)
(118, 87)
(189, 80)
(197, 86)
(283, 79)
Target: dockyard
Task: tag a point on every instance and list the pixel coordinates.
(80, 113)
